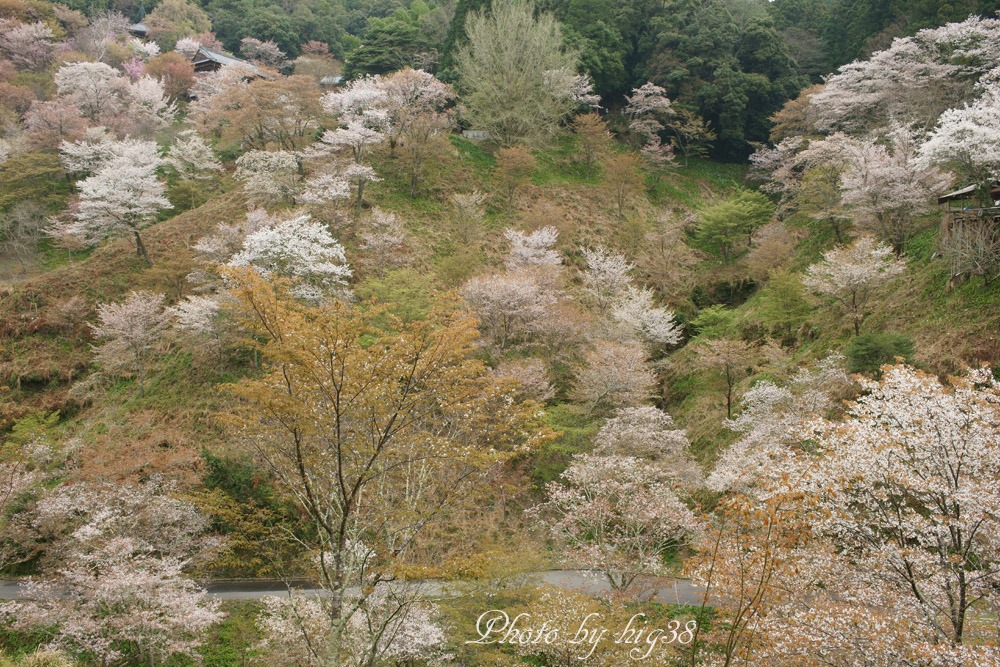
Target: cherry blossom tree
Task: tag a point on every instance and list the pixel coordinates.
(607, 276)
(209, 89)
(296, 630)
(187, 47)
(650, 435)
(768, 425)
(614, 375)
(299, 249)
(888, 189)
(122, 196)
(418, 113)
(775, 167)
(363, 123)
(264, 53)
(362, 97)
(28, 45)
(576, 89)
(648, 109)
(148, 109)
(914, 80)
(531, 375)
(359, 176)
(384, 238)
(91, 86)
(112, 583)
(192, 157)
(967, 140)
(863, 540)
(227, 239)
(131, 328)
(143, 50)
(137, 604)
(614, 514)
(806, 175)
(534, 249)
(52, 122)
(105, 31)
(630, 309)
(637, 314)
(324, 189)
(96, 148)
(201, 318)
(511, 307)
(910, 485)
(364, 117)
(759, 562)
(269, 176)
(850, 275)
(106, 97)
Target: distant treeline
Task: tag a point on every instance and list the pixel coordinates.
(734, 62)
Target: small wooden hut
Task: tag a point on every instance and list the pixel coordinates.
(970, 231)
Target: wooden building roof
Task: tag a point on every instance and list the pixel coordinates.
(207, 60)
(968, 192)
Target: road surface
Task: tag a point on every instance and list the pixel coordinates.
(664, 590)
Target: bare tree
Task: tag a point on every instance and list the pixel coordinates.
(21, 229)
(972, 247)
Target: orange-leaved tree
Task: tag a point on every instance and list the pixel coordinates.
(377, 428)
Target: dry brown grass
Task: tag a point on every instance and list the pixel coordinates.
(40, 355)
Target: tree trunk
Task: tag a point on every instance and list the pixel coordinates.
(140, 374)
(415, 175)
(360, 201)
(140, 248)
(730, 381)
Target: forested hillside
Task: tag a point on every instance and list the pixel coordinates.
(411, 303)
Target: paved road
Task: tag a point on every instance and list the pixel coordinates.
(667, 591)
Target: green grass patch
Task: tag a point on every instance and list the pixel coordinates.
(472, 154)
(232, 642)
(558, 165)
(576, 431)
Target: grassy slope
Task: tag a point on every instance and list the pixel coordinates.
(125, 435)
(122, 435)
(164, 430)
(950, 329)
(41, 357)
